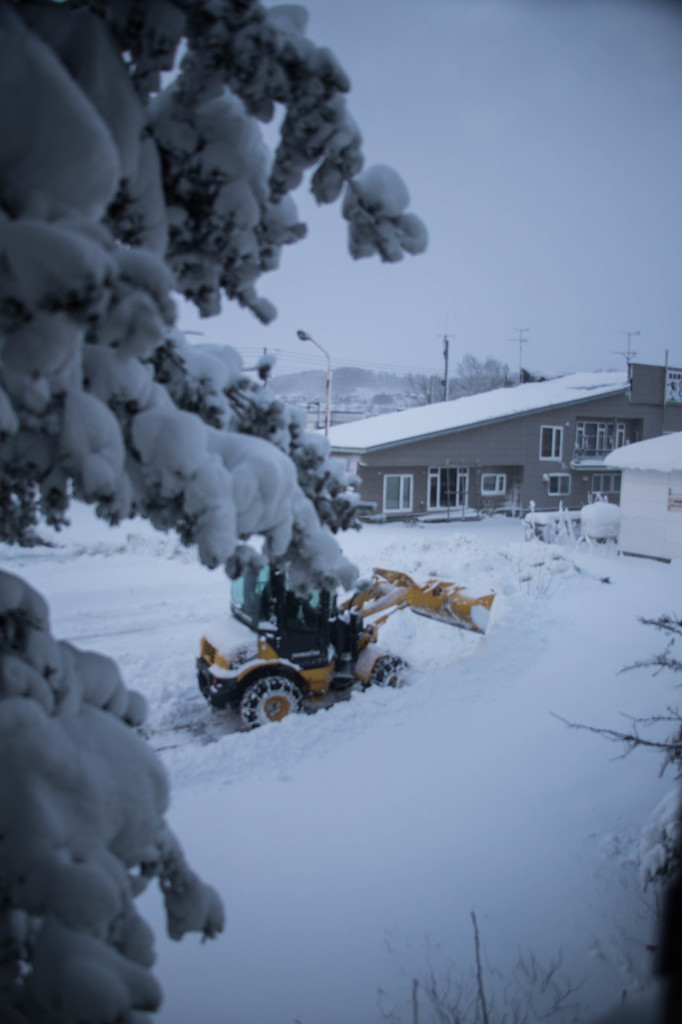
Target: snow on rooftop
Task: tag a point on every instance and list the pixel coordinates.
(660, 453)
(394, 427)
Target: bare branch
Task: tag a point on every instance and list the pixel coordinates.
(632, 739)
(666, 622)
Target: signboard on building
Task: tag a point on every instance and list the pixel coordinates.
(673, 386)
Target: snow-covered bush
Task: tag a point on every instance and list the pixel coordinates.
(660, 850)
(599, 521)
(551, 527)
(114, 192)
(661, 841)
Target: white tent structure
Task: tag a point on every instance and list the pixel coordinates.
(651, 496)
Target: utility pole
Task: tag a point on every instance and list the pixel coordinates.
(304, 336)
(520, 342)
(446, 358)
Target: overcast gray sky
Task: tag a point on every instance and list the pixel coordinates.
(541, 142)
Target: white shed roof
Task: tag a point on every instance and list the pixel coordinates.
(661, 453)
(443, 417)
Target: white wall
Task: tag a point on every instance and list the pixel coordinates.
(648, 526)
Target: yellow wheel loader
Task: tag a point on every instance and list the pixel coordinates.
(298, 652)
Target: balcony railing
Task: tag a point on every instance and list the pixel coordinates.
(591, 452)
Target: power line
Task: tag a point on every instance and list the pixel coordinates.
(302, 360)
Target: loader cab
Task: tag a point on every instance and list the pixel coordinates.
(253, 600)
(296, 626)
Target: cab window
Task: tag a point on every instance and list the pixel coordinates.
(252, 594)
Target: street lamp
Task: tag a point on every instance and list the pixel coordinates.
(304, 336)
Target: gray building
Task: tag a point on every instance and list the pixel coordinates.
(499, 451)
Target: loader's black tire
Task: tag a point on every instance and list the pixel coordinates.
(388, 670)
(269, 699)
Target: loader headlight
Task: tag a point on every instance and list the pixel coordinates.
(240, 655)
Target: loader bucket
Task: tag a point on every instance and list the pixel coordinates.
(436, 598)
(456, 607)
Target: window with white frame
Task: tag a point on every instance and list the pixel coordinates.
(559, 483)
(448, 487)
(398, 492)
(493, 483)
(606, 483)
(594, 438)
(550, 442)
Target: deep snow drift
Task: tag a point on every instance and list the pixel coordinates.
(351, 846)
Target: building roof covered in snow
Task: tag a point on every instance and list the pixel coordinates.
(659, 453)
(464, 413)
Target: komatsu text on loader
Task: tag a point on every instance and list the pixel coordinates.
(298, 653)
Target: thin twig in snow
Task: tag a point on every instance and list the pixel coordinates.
(479, 972)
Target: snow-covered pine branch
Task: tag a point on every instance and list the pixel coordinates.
(175, 188)
(82, 804)
(114, 193)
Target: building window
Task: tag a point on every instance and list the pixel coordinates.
(398, 492)
(493, 483)
(606, 483)
(594, 439)
(550, 442)
(559, 483)
(448, 487)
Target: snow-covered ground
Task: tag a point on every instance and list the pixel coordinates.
(352, 846)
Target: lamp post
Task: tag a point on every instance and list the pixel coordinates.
(304, 336)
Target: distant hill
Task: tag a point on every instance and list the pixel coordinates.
(355, 392)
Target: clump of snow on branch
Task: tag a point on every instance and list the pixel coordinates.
(79, 841)
(375, 206)
(120, 193)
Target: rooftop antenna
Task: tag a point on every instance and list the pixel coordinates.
(520, 341)
(630, 354)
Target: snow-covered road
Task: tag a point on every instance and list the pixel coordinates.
(352, 845)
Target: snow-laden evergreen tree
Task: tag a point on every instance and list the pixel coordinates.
(115, 192)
